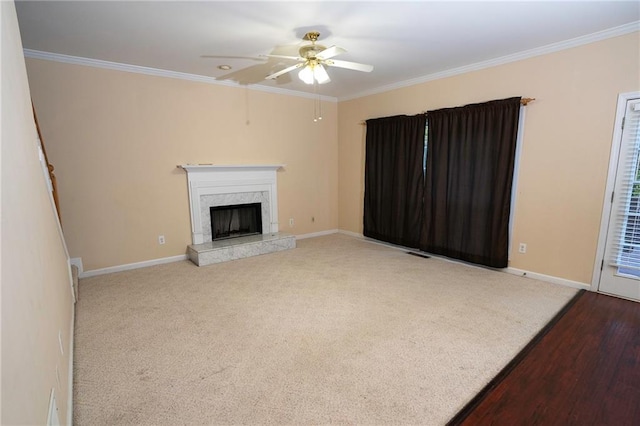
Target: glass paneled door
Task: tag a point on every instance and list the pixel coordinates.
(621, 264)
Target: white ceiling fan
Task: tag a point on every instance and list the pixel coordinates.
(314, 58)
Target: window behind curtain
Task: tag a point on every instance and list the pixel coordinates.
(469, 174)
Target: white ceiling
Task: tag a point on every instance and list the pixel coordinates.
(404, 41)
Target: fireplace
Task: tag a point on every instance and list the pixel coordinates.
(235, 221)
(233, 195)
(212, 186)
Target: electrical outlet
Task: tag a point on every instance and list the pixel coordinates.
(522, 248)
(160, 239)
(291, 222)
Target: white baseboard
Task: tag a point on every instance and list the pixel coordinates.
(53, 418)
(119, 268)
(353, 234)
(547, 278)
(389, 245)
(509, 270)
(317, 234)
(71, 347)
(130, 266)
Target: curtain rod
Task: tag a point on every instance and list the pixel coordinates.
(523, 102)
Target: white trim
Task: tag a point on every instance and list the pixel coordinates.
(623, 98)
(204, 180)
(153, 262)
(70, 378)
(550, 48)
(396, 246)
(130, 266)
(49, 184)
(317, 234)
(513, 271)
(509, 270)
(538, 51)
(546, 278)
(54, 208)
(77, 262)
(73, 289)
(137, 69)
(353, 234)
(516, 174)
(53, 419)
(230, 167)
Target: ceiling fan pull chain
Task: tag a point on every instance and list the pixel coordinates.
(315, 102)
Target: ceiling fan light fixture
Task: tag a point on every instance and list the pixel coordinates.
(320, 74)
(314, 72)
(306, 75)
(313, 60)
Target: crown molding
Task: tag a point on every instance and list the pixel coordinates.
(117, 66)
(526, 54)
(550, 48)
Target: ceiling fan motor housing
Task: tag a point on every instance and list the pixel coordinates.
(311, 51)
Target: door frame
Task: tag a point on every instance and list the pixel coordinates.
(616, 141)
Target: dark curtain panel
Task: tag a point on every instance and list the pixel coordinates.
(394, 181)
(471, 152)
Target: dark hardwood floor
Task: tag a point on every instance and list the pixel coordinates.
(582, 369)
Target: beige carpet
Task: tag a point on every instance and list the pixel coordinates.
(338, 330)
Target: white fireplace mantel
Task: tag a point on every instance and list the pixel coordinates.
(208, 168)
(208, 179)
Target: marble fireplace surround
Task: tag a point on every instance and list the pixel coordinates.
(213, 185)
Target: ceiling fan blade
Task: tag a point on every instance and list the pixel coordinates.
(295, 58)
(284, 71)
(249, 75)
(350, 65)
(330, 52)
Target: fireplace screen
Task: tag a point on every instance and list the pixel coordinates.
(235, 221)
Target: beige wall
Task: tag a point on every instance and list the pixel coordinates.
(565, 154)
(36, 295)
(115, 139)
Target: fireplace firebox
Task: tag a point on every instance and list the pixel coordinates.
(234, 221)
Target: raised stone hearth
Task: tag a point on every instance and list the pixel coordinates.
(238, 248)
(214, 186)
